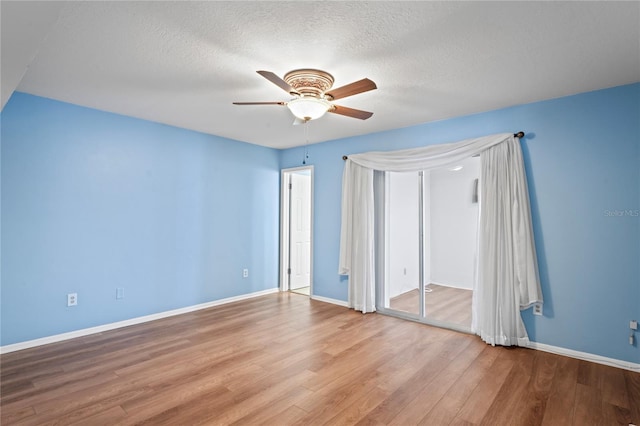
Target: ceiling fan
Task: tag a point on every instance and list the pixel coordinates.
(312, 94)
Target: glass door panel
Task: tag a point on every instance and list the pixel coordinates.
(426, 230)
(451, 214)
(402, 287)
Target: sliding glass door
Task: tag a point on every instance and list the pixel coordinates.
(426, 234)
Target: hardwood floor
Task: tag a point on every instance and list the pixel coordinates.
(442, 303)
(284, 359)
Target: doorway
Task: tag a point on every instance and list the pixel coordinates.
(296, 230)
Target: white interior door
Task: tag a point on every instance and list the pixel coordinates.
(300, 231)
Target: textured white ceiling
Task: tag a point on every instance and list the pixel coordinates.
(184, 63)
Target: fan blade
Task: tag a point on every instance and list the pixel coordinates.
(259, 103)
(278, 81)
(354, 88)
(350, 112)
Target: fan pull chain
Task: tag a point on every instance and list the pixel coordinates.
(306, 143)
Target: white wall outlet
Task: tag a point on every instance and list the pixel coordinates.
(245, 273)
(120, 293)
(633, 324)
(72, 299)
(537, 309)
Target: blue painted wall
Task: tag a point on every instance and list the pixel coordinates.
(92, 201)
(582, 155)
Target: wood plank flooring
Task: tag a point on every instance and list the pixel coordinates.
(283, 359)
(448, 304)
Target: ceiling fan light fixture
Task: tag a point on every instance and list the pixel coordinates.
(312, 94)
(308, 108)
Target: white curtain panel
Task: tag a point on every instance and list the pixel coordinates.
(507, 278)
(358, 243)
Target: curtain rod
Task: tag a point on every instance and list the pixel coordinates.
(517, 135)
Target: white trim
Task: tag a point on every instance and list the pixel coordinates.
(284, 228)
(627, 365)
(329, 300)
(449, 285)
(112, 326)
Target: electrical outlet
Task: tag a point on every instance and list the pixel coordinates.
(120, 293)
(537, 309)
(633, 324)
(72, 299)
(245, 273)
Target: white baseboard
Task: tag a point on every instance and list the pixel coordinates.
(449, 285)
(112, 326)
(631, 366)
(329, 300)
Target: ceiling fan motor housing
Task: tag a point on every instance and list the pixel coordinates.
(309, 82)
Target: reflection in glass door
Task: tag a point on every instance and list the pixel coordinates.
(402, 231)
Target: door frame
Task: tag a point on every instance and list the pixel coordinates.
(285, 219)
